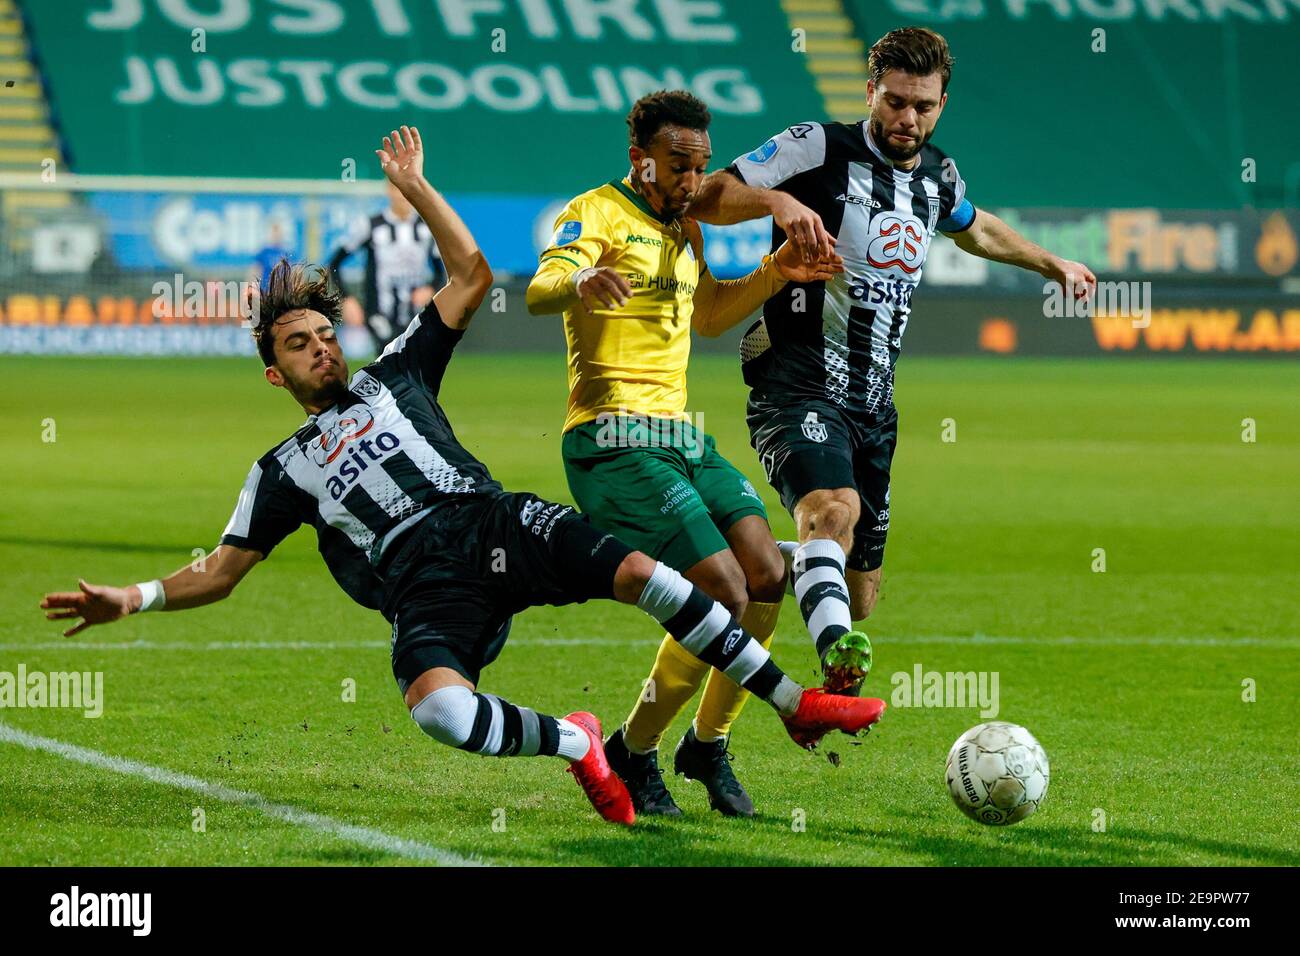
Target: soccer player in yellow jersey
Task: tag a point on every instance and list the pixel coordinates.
(628, 272)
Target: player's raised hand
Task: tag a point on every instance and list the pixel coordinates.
(803, 227)
(794, 268)
(94, 604)
(601, 286)
(1076, 278)
(402, 158)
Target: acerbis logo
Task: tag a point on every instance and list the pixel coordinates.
(857, 200)
(732, 639)
(898, 241)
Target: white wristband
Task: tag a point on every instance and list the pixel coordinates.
(581, 276)
(152, 596)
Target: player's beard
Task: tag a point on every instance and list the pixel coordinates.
(333, 390)
(891, 152)
(658, 200)
(669, 210)
(324, 394)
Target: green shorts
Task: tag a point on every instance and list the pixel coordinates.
(659, 485)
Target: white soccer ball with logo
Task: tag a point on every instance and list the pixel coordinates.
(997, 773)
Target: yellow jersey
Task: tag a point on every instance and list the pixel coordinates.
(633, 358)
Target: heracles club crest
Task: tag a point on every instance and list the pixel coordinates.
(813, 429)
(365, 386)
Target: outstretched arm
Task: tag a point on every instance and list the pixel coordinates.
(468, 275)
(719, 305)
(194, 585)
(724, 200)
(991, 238)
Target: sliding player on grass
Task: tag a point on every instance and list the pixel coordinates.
(820, 363)
(628, 272)
(412, 525)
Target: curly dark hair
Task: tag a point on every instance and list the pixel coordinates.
(287, 288)
(653, 112)
(913, 50)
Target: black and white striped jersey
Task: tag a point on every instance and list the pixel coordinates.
(367, 468)
(838, 340)
(401, 257)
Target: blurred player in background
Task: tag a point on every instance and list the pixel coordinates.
(628, 272)
(403, 268)
(412, 525)
(275, 249)
(820, 363)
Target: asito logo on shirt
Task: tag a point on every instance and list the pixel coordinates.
(349, 441)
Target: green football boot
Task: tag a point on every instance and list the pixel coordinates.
(846, 664)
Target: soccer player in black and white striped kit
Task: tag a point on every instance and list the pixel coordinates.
(403, 266)
(820, 363)
(412, 525)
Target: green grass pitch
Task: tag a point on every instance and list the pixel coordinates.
(1132, 678)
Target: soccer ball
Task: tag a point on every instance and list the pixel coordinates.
(997, 773)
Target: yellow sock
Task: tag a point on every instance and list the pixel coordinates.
(723, 697)
(673, 681)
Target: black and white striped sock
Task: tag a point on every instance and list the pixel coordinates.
(502, 729)
(818, 574)
(487, 724)
(707, 630)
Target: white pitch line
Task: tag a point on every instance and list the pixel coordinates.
(362, 836)
(970, 639)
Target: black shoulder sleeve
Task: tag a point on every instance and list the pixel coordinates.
(423, 350)
(953, 207)
(267, 511)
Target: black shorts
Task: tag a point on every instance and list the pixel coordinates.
(809, 445)
(456, 580)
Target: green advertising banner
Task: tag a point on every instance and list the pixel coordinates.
(1169, 103)
(525, 96)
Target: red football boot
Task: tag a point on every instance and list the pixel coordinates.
(819, 713)
(603, 788)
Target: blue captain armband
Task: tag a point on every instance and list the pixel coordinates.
(960, 219)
